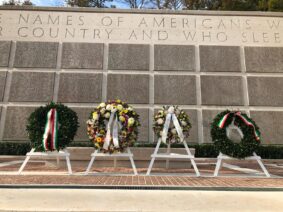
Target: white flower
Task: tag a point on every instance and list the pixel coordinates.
(171, 109)
(160, 111)
(160, 121)
(184, 123)
(109, 107)
(94, 116)
(173, 131)
(90, 122)
(119, 107)
(131, 121)
(102, 104)
(113, 110)
(102, 111)
(130, 109)
(107, 115)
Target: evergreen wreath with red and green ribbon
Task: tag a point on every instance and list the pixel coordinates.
(52, 127)
(251, 134)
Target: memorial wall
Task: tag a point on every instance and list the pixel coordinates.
(205, 62)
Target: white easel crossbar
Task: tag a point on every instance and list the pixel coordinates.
(114, 155)
(61, 153)
(172, 155)
(225, 157)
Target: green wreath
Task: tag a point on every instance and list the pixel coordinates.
(67, 126)
(250, 134)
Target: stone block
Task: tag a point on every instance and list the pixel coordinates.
(220, 58)
(80, 87)
(16, 121)
(265, 91)
(174, 58)
(270, 124)
(31, 87)
(36, 55)
(222, 90)
(128, 57)
(2, 84)
(131, 88)
(83, 115)
(82, 55)
(264, 59)
(175, 89)
(5, 47)
(144, 128)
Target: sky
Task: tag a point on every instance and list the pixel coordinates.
(44, 2)
(57, 3)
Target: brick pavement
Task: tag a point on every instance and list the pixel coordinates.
(185, 178)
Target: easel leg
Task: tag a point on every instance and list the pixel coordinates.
(132, 162)
(218, 165)
(90, 163)
(168, 152)
(261, 165)
(192, 160)
(25, 162)
(69, 165)
(153, 157)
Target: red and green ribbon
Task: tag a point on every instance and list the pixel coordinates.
(246, 120)
(49, 140)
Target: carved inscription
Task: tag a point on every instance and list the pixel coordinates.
(141, 28)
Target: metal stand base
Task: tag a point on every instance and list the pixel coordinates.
(61, 153)
(96, 153)
(225, 157)
(172, 155)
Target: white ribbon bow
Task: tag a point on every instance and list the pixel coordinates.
(169, 116)
(115, 131)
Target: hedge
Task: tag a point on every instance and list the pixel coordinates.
(201, 150)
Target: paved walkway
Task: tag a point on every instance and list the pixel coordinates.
(137, 200)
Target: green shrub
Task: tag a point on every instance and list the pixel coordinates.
(275, 5)
(201, 150)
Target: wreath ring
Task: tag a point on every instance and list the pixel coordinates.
(249, 131)
(113, 126)
(67, 126)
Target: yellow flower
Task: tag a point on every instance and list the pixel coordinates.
(131, 121)
(122, 118)
(118, 101)
(119, 107)
(125, 111)
(94, 116)
(98, 139)
(101, 131)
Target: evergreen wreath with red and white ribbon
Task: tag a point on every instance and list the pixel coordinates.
(250, 134)
(52, 127)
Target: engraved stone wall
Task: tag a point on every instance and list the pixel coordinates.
(204, 62)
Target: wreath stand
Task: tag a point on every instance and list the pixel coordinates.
(61, 153)
(169, 155)
(225, 157)
(114, 155)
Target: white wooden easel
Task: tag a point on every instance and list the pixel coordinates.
(169, 155)
(61, 153)
(225, 157)
(114, 155)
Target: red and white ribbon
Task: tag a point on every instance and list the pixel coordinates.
(49, 140)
